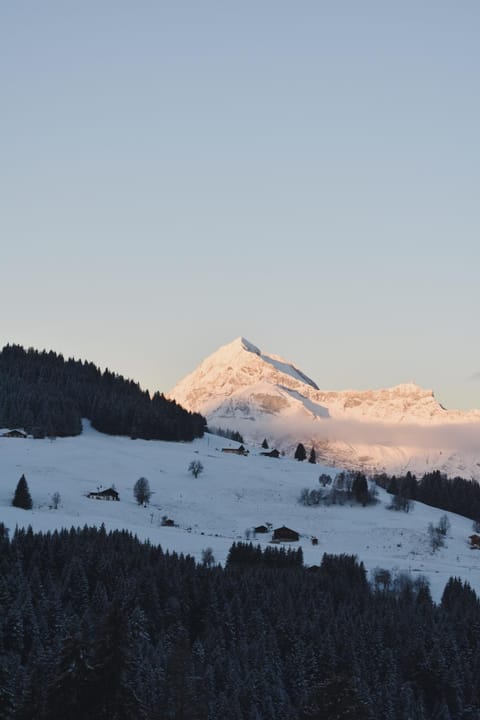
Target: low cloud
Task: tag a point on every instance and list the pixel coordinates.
(464, 437)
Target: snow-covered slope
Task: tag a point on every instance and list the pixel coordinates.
(233, 494)
(394, 429)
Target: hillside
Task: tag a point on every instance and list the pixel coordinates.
(48, 396)
(394, 429)
(232, 495)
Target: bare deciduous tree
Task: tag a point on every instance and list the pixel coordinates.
(56, 500)
(195, 468)
(141, 491)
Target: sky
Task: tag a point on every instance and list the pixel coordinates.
(174, 174)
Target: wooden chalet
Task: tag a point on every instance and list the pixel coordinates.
(167, 522)
(14, 434)
(236, 451)
(474, 541)
(273, 453)
(314, 540)
(285, 534)
(108, 494)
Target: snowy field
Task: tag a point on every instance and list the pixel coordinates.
(232, 495)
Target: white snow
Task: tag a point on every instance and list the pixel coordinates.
(233, 494)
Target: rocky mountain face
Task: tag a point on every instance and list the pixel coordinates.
(395, 429)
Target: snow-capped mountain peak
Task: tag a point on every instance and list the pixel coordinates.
(233, 368)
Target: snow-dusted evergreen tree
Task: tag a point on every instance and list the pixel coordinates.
(22, 498)
(300, 452)
(360, 488)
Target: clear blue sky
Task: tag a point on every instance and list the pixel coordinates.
(306, 174)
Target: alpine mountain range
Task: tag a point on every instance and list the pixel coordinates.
(261, 395)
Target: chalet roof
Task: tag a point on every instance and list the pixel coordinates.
(283, 528)
(285, 532)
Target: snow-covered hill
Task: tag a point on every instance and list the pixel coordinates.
(394, 429)
(232, 495)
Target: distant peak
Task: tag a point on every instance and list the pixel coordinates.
(245, 344)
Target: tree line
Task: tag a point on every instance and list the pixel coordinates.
(97, 626)
(456, 495)
(48, 396)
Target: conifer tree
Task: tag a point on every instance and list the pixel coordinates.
(360, 488)
(300, 453)
(265, 444)
(313, 456)
(22, 498)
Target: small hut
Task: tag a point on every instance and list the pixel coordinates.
(260, 529)
(474, 541)
(273, 453)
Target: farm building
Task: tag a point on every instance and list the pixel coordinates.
(284, 534)
(109, 494)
